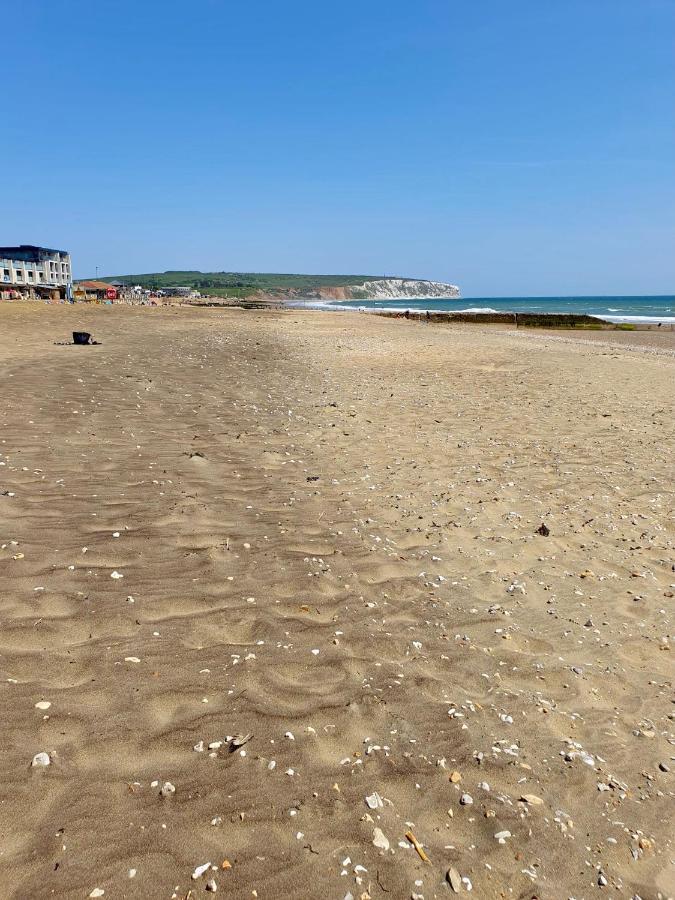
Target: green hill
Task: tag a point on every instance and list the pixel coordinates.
(238, 284)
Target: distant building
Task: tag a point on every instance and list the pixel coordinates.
(35, 271)
(94, 290)
(180, 291)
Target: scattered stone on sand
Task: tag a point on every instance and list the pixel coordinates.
(380, 840)
(41, 759)
(454, 879)
(167, 789)
(531, 799)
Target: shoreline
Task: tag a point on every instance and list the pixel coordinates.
(475, 315)
(519, 319)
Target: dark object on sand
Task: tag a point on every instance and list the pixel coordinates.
(83, 338)
(543, 530)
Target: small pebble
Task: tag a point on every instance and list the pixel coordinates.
(454, 879)
(531, 799)
(41, 759)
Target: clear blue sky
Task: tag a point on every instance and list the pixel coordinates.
(510, 146)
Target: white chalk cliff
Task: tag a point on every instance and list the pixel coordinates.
(400, 289)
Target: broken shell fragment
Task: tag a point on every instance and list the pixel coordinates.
(239, 740)
(199, 871)
(380, 839)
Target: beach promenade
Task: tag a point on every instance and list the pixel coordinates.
(339, 605)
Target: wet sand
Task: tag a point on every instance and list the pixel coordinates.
(327, 528)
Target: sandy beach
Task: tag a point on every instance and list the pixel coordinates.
(279, 612)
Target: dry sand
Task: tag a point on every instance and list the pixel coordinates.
(326, 525)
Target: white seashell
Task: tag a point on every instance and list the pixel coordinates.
(41, 759)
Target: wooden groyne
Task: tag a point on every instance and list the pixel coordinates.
(522, 320)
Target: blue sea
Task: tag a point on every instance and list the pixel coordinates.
(647, 310)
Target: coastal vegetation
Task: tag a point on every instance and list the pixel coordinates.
(239, 284)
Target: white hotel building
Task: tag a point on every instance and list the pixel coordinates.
(34, 271)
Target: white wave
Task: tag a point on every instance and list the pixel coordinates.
(402, 309)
